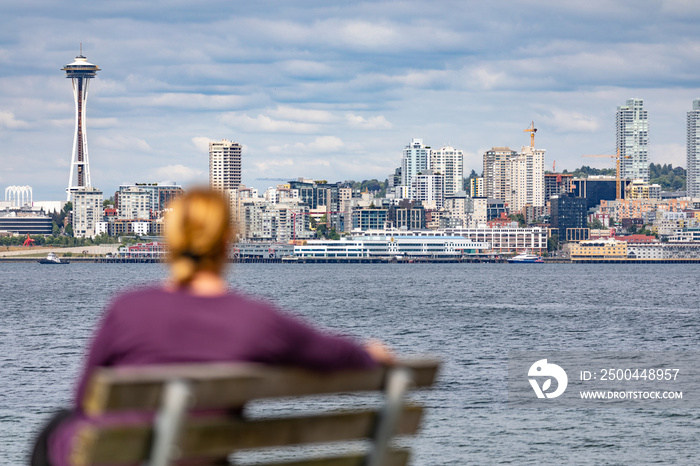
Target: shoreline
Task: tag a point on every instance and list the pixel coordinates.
(424, 260)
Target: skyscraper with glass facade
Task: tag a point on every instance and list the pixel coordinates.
(632, 130)
(693, 151)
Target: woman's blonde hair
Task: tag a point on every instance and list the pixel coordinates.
(197, 230)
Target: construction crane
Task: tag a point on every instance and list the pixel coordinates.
(532, 130)
(617, 169)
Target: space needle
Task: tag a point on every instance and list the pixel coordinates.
(80, 72)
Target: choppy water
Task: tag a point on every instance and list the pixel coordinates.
(471, 315)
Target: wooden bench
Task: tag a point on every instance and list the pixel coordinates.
(175, 435)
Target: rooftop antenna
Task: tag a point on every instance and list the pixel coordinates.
(81, 49)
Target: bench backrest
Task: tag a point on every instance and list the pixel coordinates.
(173, 392)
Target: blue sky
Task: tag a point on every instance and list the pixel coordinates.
(334, 90)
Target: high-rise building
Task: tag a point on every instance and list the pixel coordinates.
(632, 129)
(224, 165)
(416, 159)
(497, 172)
(693, 151)
(429, 188)
(80, 72)
(449, 162)
(527, 179)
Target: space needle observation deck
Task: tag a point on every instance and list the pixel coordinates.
(80, 72)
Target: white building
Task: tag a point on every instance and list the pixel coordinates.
(225, 164)
(693, 151)
(479, 215)
(263, 221)
(632, 130)
(133, 202)
(416, 159)
(141, 228)
(527, 179)
(503, 240)
(391, 246)
(449, 162)
(87, 211)
(429, 189)
(459, 206)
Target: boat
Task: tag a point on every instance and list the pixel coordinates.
(52, 258)
(526, 258)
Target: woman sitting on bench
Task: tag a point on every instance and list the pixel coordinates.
(195, 317)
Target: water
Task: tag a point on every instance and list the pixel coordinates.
(471, 315)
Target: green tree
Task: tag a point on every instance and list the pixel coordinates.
(596, 224)
(55, 231)
(520, 218)
(553, 243)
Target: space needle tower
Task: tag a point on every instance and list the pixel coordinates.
(80, 72)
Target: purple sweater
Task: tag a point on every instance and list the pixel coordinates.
(155, 326)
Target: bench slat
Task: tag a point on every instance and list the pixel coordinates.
(225, 385)
(395, 457)
(218, 437)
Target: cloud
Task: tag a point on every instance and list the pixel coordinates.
(322, 144)
(9, 121)
(201, 143)
(124, 143)
(265, 124)
(672, 153)
(302, 115)
(267, 165)
(377, 122)
(567, 121)
(178, 173)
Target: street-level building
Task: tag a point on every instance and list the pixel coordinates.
(599, 250)
(25, 223)
(369, 219)
(391, 246)
(502, 240)
(87, 211)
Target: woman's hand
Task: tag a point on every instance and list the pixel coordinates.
(380, 352)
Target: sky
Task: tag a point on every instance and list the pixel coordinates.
(334, 90)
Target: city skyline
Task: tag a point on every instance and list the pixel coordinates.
(336, 92)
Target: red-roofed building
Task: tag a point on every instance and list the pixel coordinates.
(637, 239)
(500, 222)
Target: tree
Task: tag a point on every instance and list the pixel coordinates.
(520, 218)
(553, 243)
(55, 231)
(596, 224)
